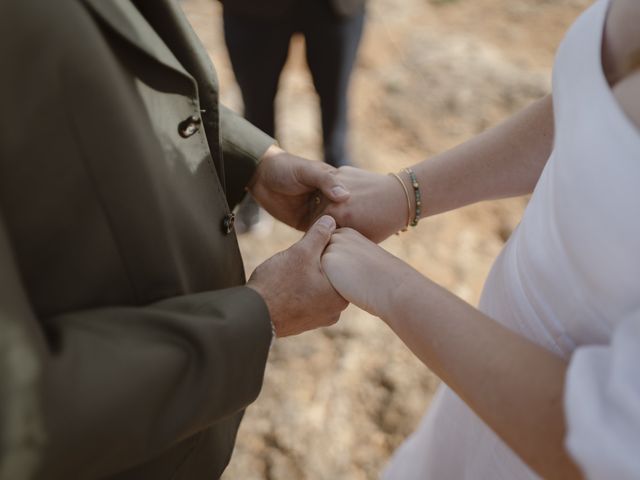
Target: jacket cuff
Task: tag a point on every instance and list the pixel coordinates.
(242, 147)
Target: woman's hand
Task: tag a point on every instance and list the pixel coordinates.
(365, 274)
(377, 206)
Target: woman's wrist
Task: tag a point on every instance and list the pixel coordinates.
(404, 285)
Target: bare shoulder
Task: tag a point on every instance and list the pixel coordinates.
(627, 93)
(621, 37)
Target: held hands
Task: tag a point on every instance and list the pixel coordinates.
(299, 284)
(297, 191)
(305, 288)
(287, 186)
(292, 283)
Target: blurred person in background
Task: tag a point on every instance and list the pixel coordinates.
(258, 34)
(132, 341)
(542, 380)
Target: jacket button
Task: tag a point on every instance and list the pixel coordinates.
(228, 222)
(188, 127)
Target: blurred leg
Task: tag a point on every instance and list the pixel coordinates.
(332, 44)
(258, 50)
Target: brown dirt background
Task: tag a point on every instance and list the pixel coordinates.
(431, 73)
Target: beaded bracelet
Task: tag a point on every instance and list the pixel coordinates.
(406, 193)
(417, 194)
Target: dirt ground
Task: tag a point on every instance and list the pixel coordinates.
(430, 74)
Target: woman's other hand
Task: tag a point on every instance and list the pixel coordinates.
(364, 273)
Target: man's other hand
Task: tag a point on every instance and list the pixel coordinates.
(290, 187)
(296, 290)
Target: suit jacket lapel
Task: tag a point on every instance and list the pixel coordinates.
(123, 18)
(170, 23)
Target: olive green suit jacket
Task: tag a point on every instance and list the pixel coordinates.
(118, 169)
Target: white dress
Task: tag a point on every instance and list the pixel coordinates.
(569, 280)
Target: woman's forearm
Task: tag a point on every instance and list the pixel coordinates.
(504, 161)
(501, 162)
(514, 385)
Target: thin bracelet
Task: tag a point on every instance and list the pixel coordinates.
(417, 194)
(406, 193)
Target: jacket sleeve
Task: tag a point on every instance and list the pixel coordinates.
(121, 384)
(242, 146)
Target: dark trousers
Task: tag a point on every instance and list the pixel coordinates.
(258, 50)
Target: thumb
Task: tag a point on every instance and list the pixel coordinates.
(319, 234)
(317, 175)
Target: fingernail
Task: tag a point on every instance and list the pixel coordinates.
(339, 191)
(327, 221)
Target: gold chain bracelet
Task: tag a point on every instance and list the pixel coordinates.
(406, 193)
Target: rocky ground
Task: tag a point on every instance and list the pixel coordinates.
(430, 73)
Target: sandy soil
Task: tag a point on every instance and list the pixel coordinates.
(431, 73)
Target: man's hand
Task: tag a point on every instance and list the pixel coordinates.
(377, 205)
(288, 187)
(294, 287)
